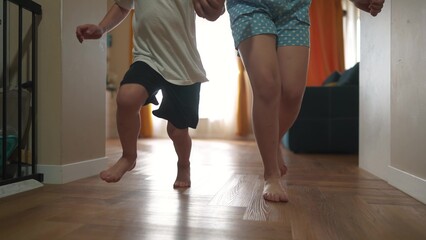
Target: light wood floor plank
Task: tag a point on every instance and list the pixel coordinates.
(330, 198)
(236, 192)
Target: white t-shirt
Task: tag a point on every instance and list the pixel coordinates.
(164, 38)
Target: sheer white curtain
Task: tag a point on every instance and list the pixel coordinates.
(351, 33)
(218, 96)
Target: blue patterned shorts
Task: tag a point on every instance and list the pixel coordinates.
(286, 19)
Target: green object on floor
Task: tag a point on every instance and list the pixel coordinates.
(11, 143)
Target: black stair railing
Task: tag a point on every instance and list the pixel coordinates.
(19, 108)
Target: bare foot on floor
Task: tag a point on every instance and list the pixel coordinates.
(273, 191)
(183, 178)
(115, 172)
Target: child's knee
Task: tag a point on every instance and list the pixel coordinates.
(131, 97)
(127, 104)
(176, 133)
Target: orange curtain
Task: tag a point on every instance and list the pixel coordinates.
(327, 50)
(146, 130)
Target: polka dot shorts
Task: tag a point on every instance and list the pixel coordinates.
(287, 19)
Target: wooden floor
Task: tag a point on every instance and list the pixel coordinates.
(330, 198)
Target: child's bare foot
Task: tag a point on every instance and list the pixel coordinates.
(183, 178)
(115, 172)
(274, 191)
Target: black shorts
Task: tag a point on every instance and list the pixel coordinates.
(180, 103)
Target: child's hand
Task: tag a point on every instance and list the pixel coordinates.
(374, 7)
(88, 31)
(209, 9)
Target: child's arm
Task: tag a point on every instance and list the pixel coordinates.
(115, 15)
(374, 7)
(209, 9)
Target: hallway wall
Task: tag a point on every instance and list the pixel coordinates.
(71, 100)
(392, 112)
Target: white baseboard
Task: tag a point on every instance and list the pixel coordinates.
(408, 183)
(59, 174)
(18, 187)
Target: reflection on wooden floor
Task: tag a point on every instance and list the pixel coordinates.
(330, 198)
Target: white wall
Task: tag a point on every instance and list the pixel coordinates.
(392, 112)
(71, 97)
(84, 83)
(374, 136)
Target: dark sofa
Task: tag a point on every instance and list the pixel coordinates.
(329, 117)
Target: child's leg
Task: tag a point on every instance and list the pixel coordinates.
(293, 62)
(130, 98)
(259, 55)
(182, 143)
